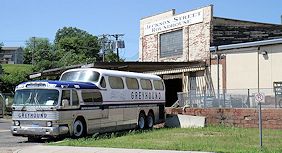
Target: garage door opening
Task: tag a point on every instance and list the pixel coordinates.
(172, 87)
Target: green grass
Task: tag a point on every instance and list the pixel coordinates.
(12, 68)
(214, 139)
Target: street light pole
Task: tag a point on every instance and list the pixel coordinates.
(259, 104)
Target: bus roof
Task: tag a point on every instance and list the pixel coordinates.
(118, 73)
(58, 84)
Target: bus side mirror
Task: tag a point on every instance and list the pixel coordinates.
(65, 103)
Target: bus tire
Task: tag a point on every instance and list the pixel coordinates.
(150, 120)
(141, 121)
(78, 128)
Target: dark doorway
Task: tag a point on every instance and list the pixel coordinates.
(172, 87)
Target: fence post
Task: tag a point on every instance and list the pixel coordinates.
(224, 92)
(248, 99)
(190, 99)
(205, 98)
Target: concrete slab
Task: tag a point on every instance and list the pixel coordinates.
(68, 149)
(185, 121)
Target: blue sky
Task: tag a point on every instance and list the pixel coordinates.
(22, 19)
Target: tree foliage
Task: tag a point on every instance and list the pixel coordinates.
(42, 52)
(71, 46)
(1, 70)
(11, 80)
(12, 75)
(76, 46)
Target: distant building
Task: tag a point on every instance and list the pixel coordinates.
(11, 55)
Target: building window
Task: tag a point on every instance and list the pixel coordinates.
(171, 44)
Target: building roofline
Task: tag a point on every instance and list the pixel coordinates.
(158, 14)
(174, 11)
(245, 45)
(10, 48)
(215, 17)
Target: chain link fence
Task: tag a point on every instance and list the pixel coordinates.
(230, 98)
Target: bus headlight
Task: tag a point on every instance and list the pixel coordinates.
(49, 123)
(17, 123)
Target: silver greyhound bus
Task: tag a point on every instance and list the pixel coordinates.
(87, 101)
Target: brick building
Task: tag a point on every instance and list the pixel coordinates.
(187, 37)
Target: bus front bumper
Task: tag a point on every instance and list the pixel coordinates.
(39, 131)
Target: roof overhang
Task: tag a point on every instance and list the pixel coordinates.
(142, 67)
(246, 45)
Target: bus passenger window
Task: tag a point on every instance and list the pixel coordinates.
(75, 100)
(97, 96)
(132, 83)
(116, 82)
(158, 84)
(91, 97)
(146, 84)
(103, 82)
(87, 96)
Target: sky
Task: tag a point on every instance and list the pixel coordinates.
(22, 19)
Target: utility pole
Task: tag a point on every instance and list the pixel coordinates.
(103, 46)
(33, 50)
(116, 36)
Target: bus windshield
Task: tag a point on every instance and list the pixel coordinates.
(48, 97)
(82, 76)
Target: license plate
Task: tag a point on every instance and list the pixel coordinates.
(35, 125)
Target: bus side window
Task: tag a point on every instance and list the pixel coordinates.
(103, 82)
(115, 82)
(146, 84)
(92, 97)
(66, 95)
(97, 96)
(158, 84)
(75, 101)
(132, 83)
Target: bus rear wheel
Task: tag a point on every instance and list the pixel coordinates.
(141, 121)
(78, 129)
(150, 120)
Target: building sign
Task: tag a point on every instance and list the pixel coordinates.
(176, 21)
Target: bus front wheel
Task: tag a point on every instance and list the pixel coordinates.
(78, 129)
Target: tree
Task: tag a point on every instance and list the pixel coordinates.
(11, 80)
(112, 57)
(76, 46)
(41, 52)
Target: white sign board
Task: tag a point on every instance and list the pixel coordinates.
(259, 97)
(176, 21)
